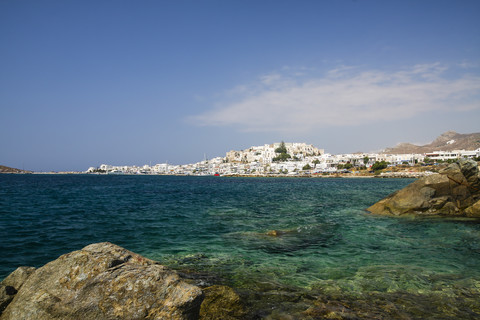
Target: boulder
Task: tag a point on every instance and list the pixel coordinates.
(104, 281)
(473, 210)
(221, 303)
(454, 191)
(470, 171)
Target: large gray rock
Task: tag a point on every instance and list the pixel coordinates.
(454, 191)
(104, 281)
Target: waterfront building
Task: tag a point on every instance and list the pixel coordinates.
(451, 155)
(259, 160)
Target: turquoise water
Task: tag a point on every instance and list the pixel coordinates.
(326, 245)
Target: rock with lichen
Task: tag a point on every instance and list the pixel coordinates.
(104, 281)
(11, 284)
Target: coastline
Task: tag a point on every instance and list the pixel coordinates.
(383, 175)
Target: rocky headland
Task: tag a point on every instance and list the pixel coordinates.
(4, 169)
(454, 191)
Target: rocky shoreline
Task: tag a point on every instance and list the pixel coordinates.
(8, 170)
(454, 191)
(105, 281)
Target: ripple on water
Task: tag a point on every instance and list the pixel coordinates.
(288, 245)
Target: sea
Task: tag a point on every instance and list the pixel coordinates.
(293, 248)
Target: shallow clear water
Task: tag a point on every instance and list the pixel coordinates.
(326, 243)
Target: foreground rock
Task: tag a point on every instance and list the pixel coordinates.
(101, 281)
(455, 191)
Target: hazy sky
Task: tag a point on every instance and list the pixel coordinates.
(136, 82)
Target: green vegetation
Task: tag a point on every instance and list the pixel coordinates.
(282, 148)
(345, 166)
(283, 155)
(379, 165)
(306, 167)
(427, 160)
(446, 161)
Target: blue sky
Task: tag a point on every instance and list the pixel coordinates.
(138, 82)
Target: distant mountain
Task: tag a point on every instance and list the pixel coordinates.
(4, 169)
(448, 141)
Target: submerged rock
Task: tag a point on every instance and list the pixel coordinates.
(279, 233)
(287, 240)
(461, 304)
(455, 191)
(104, 281)
(221, 302)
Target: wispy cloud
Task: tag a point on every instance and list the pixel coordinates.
(342, 97)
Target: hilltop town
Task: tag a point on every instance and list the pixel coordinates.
(300, 159)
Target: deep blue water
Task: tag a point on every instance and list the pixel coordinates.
(221, 225)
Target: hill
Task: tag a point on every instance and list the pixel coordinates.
(4, 169)
(448, 141)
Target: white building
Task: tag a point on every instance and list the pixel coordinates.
(455, 154)
(265, 154)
